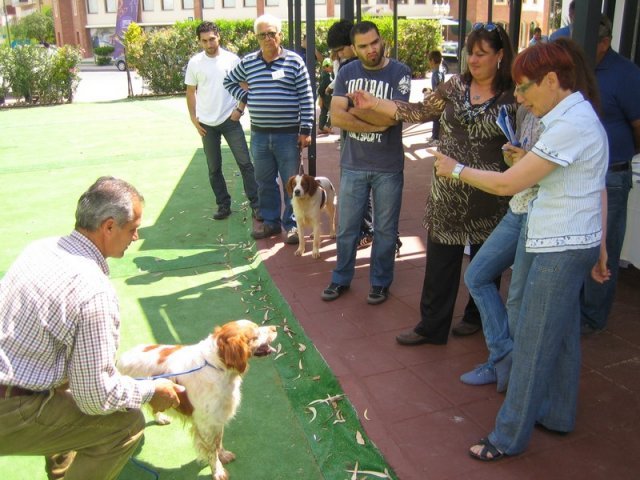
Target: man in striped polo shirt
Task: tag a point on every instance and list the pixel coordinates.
(280, 102)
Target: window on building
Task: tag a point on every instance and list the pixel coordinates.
(499, 2)
(208, 3)
(228, 3)
(187, 4)
(382, 2)
(321, 2)
(110, 6)
(167, 4)
(92, 6)
(249, 3)
(147, 5)
(420, 2)
(272, 3)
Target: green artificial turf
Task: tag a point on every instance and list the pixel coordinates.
(187, 274)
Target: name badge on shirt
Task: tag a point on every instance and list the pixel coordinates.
(278, 74)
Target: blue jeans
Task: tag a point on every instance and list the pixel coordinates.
(497, 254)
(597, 299)
(543, 386)
(234, 135)
(386, 192)
(275, 154)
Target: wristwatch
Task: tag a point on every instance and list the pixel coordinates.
(457, 170)
(241, 112)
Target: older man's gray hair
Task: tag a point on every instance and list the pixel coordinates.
(267, 19)
(108, 197)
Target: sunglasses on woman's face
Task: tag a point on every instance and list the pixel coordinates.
(489, 27)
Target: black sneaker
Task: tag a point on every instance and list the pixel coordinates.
(463, 329)
(292, 237)
(222, 213)
(265, 231)
(333, 291)
(377, 295)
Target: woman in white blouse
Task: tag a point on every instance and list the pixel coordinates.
(565, 239)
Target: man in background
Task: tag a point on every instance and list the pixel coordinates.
(620, 116)
(567, 30)
(215, 113)
(371, 162)
(282, 109)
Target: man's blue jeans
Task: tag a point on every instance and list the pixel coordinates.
(499, 252)
(597, 299)
(386, 192)
(234, 135)
(275, 154)
(543, 386)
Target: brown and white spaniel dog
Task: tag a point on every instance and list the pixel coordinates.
(212, 393)
(310, 196)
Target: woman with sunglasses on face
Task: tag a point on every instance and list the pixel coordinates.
(564, 240)
(456, 214)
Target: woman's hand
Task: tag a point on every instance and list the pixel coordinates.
(512, 154)
(600, 273)
(444, 165)
(362, 99)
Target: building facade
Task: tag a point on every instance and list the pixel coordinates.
(89, 23)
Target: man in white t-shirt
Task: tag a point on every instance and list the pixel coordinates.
(215, 113)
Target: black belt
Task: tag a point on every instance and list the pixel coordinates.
(619, 167)
(8, 391)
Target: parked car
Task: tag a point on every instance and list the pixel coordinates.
(449, 51)
(120, 63)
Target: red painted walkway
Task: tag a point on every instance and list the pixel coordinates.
(418, 413)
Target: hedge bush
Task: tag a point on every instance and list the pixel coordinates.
(161, 56)
(40, 75)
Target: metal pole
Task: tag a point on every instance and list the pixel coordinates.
(311, 67)
(395, 29)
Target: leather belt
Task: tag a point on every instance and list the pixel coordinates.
(619, 167)
(8, 391)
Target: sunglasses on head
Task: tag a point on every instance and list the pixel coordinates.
(489, 27)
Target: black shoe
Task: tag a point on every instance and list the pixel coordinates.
(586, 329)
(255, 213)
(333, 291)
(377, 295)
(292, 237)
(222, 213)
(265, 231)
(463, 329)
(410, 337)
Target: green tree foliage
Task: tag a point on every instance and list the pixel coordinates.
(161, 56)
(37, 26)
(40, 75)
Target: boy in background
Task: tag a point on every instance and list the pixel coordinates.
(437, 77)
(324, 96)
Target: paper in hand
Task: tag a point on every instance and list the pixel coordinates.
(504, 122)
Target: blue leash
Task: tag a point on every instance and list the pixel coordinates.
(167, 375)
(145, 468)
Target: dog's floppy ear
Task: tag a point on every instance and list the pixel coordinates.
(291, 183)
(233, 348)
(311, 185)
